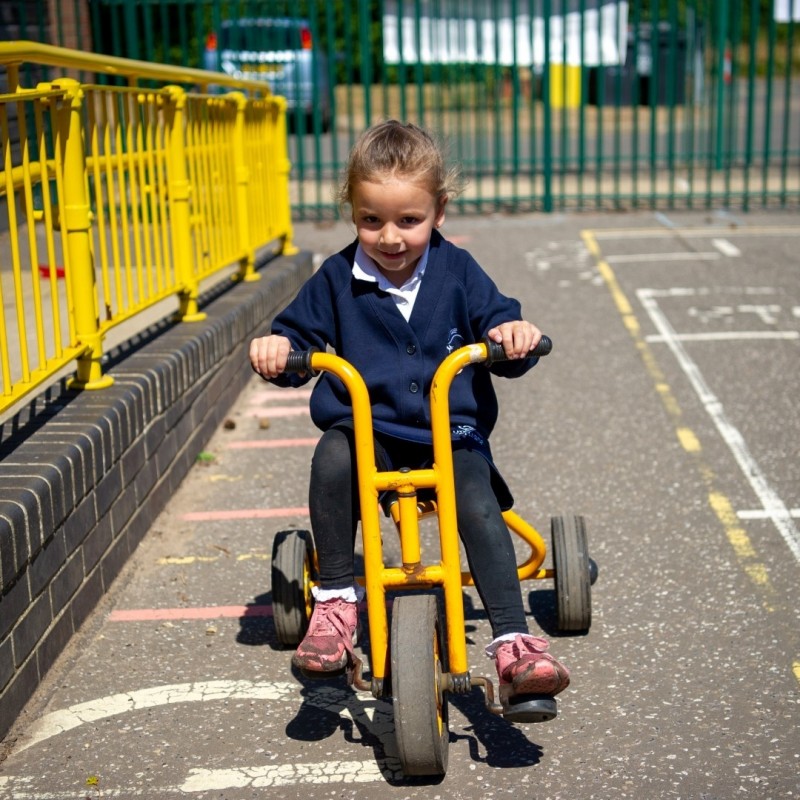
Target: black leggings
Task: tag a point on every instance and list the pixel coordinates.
(487, 542)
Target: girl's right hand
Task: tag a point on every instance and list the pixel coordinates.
(268, 355)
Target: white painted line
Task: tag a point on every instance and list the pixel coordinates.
(726, 248)
(69, 718)
(771, 502)
(726, 336)
(375, 713)
(759, 513)
(665, 220)
(205, 780)
(22, 787)
(635, 258)
(336, 772)
(704, 291)
(369, 714)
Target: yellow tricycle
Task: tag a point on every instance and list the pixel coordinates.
(423, 657)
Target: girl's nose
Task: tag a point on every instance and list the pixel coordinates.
(389, 235)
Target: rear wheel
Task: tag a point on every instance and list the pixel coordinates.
(572, 573)
(420, 704)
(292, 577)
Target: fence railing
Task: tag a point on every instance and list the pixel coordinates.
(118, 197)
(547, 104)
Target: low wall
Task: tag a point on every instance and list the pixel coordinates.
(83, 475)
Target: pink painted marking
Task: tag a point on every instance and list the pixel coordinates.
(272, 443)
(212, 612)
(279, 411)
(209, 612)
(268, 395)
(245, 513)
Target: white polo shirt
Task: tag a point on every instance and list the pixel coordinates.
(365, 269)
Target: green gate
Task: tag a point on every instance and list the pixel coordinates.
(548, 104)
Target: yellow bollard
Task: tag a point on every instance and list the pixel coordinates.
(565, 86)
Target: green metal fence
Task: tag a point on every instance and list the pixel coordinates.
(547, 104)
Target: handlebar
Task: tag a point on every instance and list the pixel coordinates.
(300, 360)
(495, 351)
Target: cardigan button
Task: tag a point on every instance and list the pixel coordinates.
(411, 349)
(413, 387)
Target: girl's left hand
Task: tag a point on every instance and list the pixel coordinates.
(518, 338)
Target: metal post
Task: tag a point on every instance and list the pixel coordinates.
(179, 190)
(242, 177)
(722, 37)
(548, 117)
(283, 213)
(76, 226)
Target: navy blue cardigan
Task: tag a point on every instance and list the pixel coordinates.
(457, 304)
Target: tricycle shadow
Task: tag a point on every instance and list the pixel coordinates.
(329, 707)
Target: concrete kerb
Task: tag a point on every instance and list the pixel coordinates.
(83, 475)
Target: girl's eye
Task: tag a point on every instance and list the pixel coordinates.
(409, 220)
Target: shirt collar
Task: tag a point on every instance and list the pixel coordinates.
(365, 269)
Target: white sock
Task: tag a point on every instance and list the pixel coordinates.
(491, 650)
(350, 594)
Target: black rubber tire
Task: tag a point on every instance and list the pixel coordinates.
(420, 705)
(292, 573)
(572, 573)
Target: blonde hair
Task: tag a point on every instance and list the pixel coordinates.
(393, 148)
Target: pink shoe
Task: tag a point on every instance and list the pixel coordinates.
(328, 644)
(524, 663)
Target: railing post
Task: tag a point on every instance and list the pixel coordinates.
(722, 38)
(242, 177)
(179, 190)
(283, 168)
(76, 226)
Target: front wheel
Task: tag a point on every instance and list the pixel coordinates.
(420, 704)
(573, 573)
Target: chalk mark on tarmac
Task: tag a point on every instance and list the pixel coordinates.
(771, 502)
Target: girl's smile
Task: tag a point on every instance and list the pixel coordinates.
(394, 219)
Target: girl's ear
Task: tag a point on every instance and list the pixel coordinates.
(439, 220)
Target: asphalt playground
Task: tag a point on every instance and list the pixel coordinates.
(667, 416)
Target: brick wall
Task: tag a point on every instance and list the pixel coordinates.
(84, 475)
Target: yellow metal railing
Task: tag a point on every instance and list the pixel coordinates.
(118, 197)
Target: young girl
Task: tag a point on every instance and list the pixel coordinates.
(394, 303)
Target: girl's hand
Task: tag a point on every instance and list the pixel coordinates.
(268, 355)
(518, 338)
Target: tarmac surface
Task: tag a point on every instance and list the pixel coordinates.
(667, 416)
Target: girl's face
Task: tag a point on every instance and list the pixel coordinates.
(394, 219)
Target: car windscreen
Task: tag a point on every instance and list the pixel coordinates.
(262, 35)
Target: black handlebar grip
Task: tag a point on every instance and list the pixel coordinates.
(495, 351)
(300, 361)
(543, 348)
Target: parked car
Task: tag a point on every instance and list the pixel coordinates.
(279, 51)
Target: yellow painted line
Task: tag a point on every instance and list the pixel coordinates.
(185, 560)
(796, 670)
(688, 440)
(736, 535)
